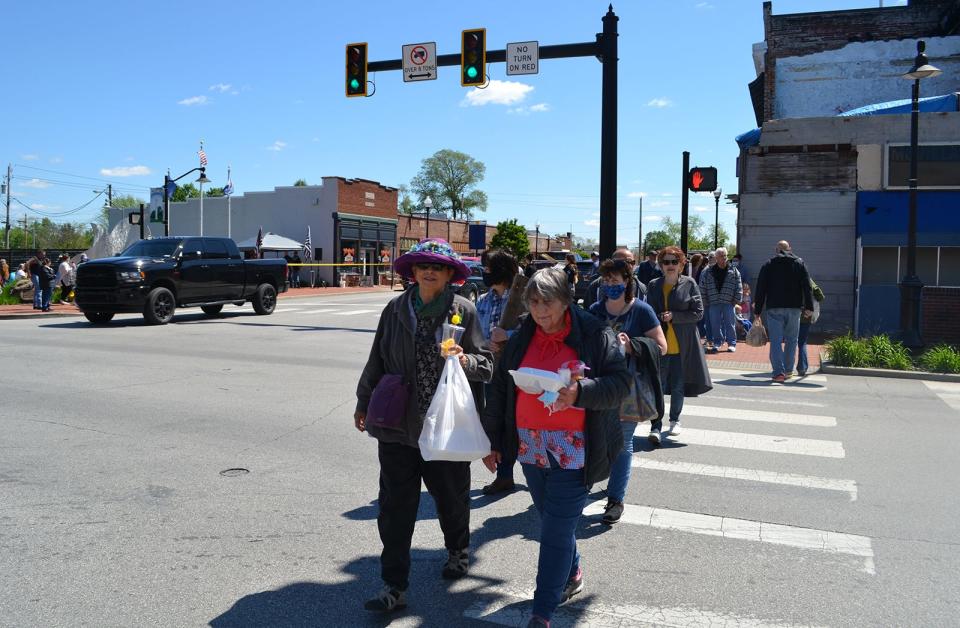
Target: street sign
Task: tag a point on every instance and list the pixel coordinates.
(420, 62)
(523, 58)
(156, 204)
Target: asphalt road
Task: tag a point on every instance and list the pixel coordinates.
(831, 501)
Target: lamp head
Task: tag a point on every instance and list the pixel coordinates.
(921, 66)
(717, 193)
(428, 203)
(203, 176)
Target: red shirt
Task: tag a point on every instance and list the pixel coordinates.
(548, 352)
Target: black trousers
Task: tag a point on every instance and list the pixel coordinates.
(401, 470)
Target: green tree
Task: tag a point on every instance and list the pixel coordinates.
(185, 191)
(406, 205)
(213, 193)
(657, 240)
(585, 246)
(300, 183)
(511, 236)
(700, 234)
(450, 178)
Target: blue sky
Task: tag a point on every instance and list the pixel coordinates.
(120, 91)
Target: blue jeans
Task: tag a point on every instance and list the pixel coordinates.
(783, 328)
(45, 295)
(559, 496)
(37, 294)
(703, 325)
(802, 363)
(620, 472)
(723, 324)
(671, 379)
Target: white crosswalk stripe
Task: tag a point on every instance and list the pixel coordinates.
(323, 311)
(750, 400)
(812, 420)
(353, 312)
(947, 391)
(642, 461)
(815, 378)
(762, 442)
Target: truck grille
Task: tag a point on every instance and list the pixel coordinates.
(96, 277)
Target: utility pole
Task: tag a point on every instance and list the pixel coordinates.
(640, 231)
(685, 203)
(6, 225)
(110, 194)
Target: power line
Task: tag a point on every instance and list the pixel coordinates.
(58, 214)
(80, 176)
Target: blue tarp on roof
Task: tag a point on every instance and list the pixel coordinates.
(931, 104)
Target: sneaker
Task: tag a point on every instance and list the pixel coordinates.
(500, 485)
(575, 584)
(611, 514)
(654, 436)
(457, 565)
(779, 379)
(387, 600)
(713, 350)
(801, 373)
(731, 348)
(788, 375)
(538, 622)
(675, 427)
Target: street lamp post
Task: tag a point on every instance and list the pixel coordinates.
(536, 244)
(911, 288)
(427, 207)
(716, 218)
(167, 181)
(201, 180)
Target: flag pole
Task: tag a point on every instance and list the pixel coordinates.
(229, 234)
(201, 193)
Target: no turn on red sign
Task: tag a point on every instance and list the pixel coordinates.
(420, 62)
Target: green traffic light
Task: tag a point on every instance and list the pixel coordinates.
(354, 84)
(472, 72)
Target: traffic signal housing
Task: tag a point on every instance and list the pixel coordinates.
(473, 57)
(702, 179)
(356, 70)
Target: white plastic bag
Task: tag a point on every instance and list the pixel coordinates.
(451, 428)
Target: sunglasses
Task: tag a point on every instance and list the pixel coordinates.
(434, 267)
(669, 262)
(621, 264)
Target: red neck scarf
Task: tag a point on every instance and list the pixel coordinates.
(551, 344)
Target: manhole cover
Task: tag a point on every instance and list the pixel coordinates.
(230, 473)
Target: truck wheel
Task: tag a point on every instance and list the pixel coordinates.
(265, 300)
(98, 318)
(211, 310)
(159, 307)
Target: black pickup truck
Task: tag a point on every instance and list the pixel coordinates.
(156, 276)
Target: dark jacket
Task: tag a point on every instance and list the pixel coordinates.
(687, 309)
(647, 272)
(393, 351)
(593, 294)
(600, 394)
(646, 361)
(730, 292)
(46, 276)
(783, 282)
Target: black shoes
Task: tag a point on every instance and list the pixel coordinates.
(387, 600)
(612, 512)
(500, 485)
(458, 563)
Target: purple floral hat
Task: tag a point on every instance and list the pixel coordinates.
(432, 251)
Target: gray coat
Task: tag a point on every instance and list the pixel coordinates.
(393, 351)
(687, 310)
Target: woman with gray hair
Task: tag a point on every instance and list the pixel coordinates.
(572, 444)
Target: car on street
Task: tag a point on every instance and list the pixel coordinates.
(155, 277)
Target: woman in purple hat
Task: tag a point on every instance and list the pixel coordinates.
(407, 344)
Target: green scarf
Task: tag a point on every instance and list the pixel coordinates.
(437, 307)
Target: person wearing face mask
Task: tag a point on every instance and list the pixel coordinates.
(595, 289)
(499, 270)
(632, 320)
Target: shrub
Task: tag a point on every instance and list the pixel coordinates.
(941, 359)
(848, 351)
(887, 354)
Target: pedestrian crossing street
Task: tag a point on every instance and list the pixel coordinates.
(767, 423)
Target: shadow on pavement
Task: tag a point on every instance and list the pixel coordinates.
(767, 383)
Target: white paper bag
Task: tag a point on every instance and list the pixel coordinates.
(451, 429)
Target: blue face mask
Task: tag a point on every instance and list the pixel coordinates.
(615, 291)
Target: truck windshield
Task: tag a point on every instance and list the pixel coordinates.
(148, 248)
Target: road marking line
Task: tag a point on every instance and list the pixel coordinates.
(513, 608)
(286, 309)
(761, 442)
(764, 375)
(749, 475)
(788, 418)
(947, 391)
(746, 530)
(352, 312)
(751, 400)
(318, 311)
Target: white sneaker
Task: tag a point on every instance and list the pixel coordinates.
(732, 349)
(654, 436)
(674, 427)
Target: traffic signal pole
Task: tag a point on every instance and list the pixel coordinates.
(685, 202)
(605, 50)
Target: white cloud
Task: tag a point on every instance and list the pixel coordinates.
(36, 184)
(221, 87)
(703, 5)
(42, 206)
(277, 146)
(660, 204)
(637, 195)
(56, 160)
(667, 194)
(652, 218)
(125, 171)
(539, 107)
(660, 103)
(699, 208)
(526, 111)
(591, 223)
(497, 93)
(193, 100)
(730, 210)
(31, 157)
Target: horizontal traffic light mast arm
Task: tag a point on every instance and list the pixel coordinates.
(558, 51)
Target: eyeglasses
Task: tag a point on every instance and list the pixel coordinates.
(434, 267)
(621, 264)
(669, 262)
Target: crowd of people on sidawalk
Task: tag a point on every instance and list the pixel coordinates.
(39, 276)
(640, 336)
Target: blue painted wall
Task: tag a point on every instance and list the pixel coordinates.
(882, 218)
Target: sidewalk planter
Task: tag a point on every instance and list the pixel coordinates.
(830, 369)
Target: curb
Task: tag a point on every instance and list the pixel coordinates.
(830, 369)
(28, 315)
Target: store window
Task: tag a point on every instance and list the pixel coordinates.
(879, 265)
(950, 266)
(938, 166)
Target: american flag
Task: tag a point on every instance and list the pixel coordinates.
(259, 242)
(203, 156)
(308, 247)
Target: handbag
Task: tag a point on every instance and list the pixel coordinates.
(641, 403)
(451, 428)
(388, 403)
(757, 336)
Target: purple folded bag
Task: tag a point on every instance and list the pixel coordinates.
(388, 403)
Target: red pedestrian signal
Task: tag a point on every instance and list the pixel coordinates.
(356, 70)
(473, 57)
(702, 179)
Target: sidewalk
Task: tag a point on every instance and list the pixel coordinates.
(757, 358)
(25, 310)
